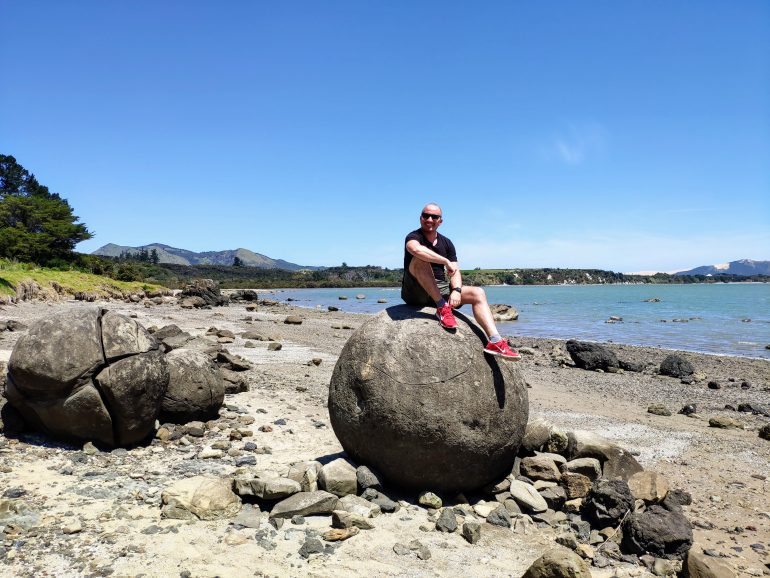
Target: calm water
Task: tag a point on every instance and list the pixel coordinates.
(715, 313)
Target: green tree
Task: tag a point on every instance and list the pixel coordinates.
(237, 261)
(35, 225)
(154, 257)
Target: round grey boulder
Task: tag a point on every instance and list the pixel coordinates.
(88, 374)
(195, 390)
(424, 406)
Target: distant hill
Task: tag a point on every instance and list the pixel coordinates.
(745, 267)
(175, 256)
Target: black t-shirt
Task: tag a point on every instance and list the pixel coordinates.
(443, 247)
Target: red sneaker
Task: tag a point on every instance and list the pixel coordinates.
(502, 349)
(445, 317)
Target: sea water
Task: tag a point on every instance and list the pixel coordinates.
(721, 318)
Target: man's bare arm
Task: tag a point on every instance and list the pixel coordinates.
(422, 253)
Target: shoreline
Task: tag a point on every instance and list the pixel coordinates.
(514, 335)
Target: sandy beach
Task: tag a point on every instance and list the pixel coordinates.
(99, 512)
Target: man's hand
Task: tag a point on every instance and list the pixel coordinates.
(451, 268)
(454, 299)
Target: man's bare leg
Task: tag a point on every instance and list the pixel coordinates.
(423, 272)
(477, 299)
(496, 346)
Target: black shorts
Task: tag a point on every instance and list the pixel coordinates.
(413, 294)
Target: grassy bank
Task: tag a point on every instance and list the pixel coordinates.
(13, 275)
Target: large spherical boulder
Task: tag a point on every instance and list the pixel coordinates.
(88, 374)
(195, 390)
(424, 406)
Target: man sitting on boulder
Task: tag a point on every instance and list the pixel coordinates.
(426, 254)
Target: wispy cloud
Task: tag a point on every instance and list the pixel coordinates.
(575, 144)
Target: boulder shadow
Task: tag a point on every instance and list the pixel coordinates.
(328, 458)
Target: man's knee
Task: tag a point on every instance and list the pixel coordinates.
(476, 295)
(417, 267)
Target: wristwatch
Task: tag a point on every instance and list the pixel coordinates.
(458, 289)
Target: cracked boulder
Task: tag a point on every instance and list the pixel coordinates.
(88, 375)
(425, 407)
(195, 390)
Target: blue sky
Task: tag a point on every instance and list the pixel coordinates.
(618, 135)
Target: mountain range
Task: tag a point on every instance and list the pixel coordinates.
(741, 267)
(173, 255)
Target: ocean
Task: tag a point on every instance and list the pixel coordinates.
(720, 318)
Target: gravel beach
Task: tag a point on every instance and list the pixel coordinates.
(96, 513)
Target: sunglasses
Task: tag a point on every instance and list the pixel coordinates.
(427, 216)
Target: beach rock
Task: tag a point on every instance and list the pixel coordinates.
(424, 406)
(607, 502)
(249, 517)
(527, 497)
(339, 534)
(305, 504)
(338, 477)
(311, 546)
(293, 320)
(626, 365)
(265, 487)
(447, 521)
(471, 530)
(764, 432)
(305, 474)
(557, 443)
(591, 356)
(658, 531)
(558, 563)
(195, 389)
(343, 519)
(499, 517)
(88, 374)
(659, 409)
(575, 485)
(233, 381)
(483, 508)
(232, 362)
(722, 422)
(536, 435)
(203, 293)
(689, 409)
(554, 497)
(429, 500)
(18, 513)
(648, 486)
(676, 366)
(502, 312)
(358, 505)
(616, 462)
(589, 467)
(166, 331)
(200, 497)
(366, 479)
(699, 565)
(175, 341)
(540, 468)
